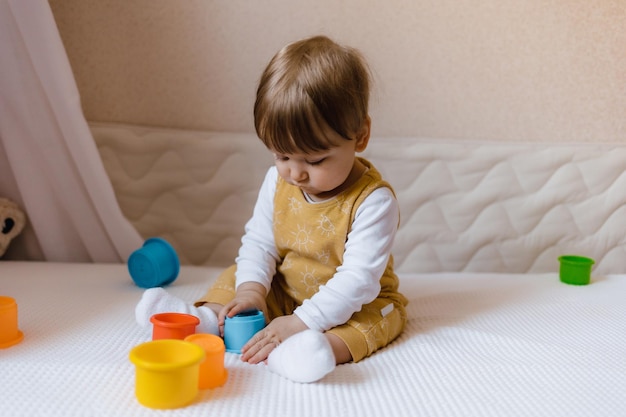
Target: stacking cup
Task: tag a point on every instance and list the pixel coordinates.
(166, 372)
(155, 264)
(575, 270)
(212, 371)
(173, 325)
(9, 333)
(240, 328)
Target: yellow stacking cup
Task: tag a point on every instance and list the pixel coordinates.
(166, 372)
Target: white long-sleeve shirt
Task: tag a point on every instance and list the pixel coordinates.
(355, 283)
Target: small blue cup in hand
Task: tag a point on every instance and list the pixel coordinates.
(240, 328)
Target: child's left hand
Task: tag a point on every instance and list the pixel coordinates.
(264, 342)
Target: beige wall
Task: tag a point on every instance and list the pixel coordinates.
(551, 70)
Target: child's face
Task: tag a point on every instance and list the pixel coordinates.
(323, 174)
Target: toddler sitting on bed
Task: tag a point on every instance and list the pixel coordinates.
(315, 256)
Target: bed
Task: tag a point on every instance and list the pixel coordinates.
(475, 345)
(466, 206)
(492, 331)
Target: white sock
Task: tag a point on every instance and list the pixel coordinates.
(304, 357)
(157, 300)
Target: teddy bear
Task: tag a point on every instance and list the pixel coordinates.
(12, 221)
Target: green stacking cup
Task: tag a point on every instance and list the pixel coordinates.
(575, 270)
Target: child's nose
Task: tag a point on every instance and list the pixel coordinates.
(298, 174)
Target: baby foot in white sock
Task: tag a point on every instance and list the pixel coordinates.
(286, 359)
(157, 300)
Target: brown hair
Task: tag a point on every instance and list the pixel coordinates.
(310, 86)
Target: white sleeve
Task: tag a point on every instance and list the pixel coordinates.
(257, 258)
(357, 281)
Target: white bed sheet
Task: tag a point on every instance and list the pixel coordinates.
(475, 345)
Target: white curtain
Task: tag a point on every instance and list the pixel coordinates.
(49, 163)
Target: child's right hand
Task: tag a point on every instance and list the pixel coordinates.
(250, 296)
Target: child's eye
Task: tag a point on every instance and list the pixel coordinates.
(281, 158)
(319, 161)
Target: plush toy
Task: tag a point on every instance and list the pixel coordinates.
(12, 221)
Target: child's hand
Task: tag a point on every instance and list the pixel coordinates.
(264, 342)
(250, 296)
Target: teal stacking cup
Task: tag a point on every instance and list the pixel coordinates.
(155, 264)
(240, 328)
(575, 270)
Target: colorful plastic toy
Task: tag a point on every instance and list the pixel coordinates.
(10, 334)
(166, 372)
(575, 270)
(173, 325)
(155, 264)
(240, 328)
(212, 371)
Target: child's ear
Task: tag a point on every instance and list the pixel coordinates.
(363, 135)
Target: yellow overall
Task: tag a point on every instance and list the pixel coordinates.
(310, 239)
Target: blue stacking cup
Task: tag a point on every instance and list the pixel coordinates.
(240, 328)
(155, 264)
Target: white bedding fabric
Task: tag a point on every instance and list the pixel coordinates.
(475, 345)
(466, 206)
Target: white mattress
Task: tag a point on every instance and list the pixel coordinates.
(475, 345)
(466, 206)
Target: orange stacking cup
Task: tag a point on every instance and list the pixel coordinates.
(173, 325)
(9, 333)
(212, 372)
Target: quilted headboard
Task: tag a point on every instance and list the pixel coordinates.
(465, 206)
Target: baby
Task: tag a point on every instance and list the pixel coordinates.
(316, 253)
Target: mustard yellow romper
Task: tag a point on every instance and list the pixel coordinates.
(310, 259)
